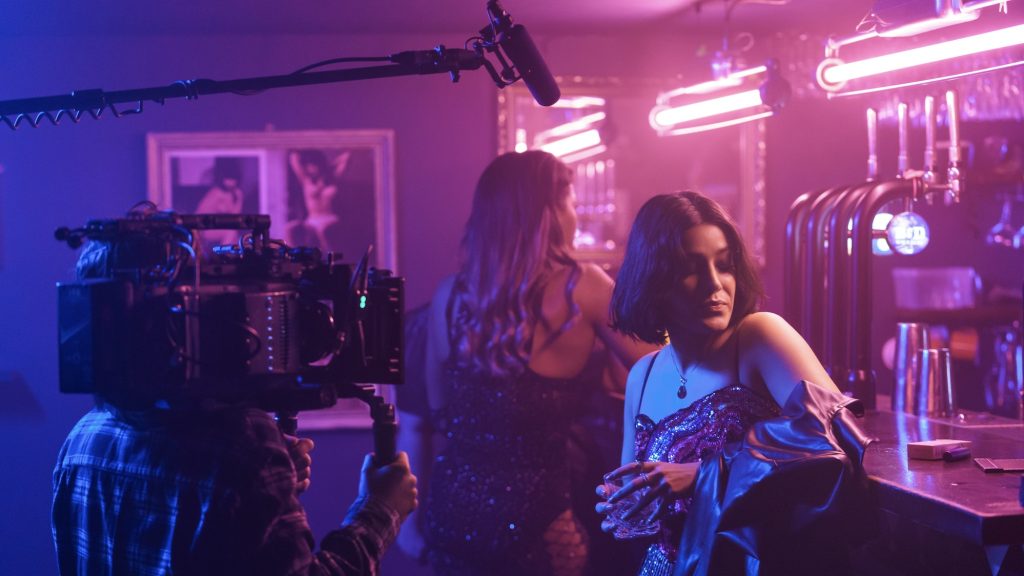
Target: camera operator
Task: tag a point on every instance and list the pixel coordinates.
(205, 488)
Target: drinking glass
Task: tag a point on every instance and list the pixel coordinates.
(1002, 233)
(636, 526)
(1002, 384)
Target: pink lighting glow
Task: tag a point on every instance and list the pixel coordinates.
(734, 79)
(572, 144)
(663, 117)
(573, 126)
(834, 73)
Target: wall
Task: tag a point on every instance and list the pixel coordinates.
(62, 176)
(445, 134)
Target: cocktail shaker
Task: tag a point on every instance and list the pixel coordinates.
(911, 338)
(935, 395)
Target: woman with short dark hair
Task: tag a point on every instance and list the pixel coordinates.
(687, 280)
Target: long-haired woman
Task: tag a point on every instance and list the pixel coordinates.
(510, 334)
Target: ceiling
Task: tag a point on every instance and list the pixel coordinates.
(178, 17)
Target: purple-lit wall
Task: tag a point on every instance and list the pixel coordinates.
(444, 135)
(55, 176)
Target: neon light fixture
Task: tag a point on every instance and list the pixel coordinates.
(577, 134)
(833, 73)
(573, 140)
(572, 144)
(727, 101)
(899, 18)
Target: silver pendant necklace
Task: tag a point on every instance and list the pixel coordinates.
(683, 375)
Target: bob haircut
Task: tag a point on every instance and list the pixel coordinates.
(654, 257)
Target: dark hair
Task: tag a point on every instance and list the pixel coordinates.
(317, 158)
(655, 256)
(227, 167)
(513, 242)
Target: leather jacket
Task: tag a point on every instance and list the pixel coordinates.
(790, 498)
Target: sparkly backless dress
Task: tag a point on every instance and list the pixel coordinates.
(500, 499)
(687, 435)
(500, 494)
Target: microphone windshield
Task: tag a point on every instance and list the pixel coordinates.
(519, 46)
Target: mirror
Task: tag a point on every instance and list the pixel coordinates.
(600, 129)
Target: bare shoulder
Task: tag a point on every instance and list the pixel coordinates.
(593, 289)
(444, 288)
(438, 307)
(637, 375)
(765, 325)
(768, 332)
(592, 275)
(779, 354)
(640, 367)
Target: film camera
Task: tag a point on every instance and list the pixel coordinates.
(152, 318)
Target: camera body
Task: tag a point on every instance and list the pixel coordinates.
(155, 319)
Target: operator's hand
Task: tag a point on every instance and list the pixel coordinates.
(393, 483)
(299, 449)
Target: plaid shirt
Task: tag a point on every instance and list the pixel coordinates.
(160, 493)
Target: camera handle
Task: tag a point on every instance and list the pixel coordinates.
(287, 422)
(385, 427)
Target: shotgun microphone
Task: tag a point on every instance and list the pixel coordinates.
(517, 44)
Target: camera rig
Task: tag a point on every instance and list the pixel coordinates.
(152, 318)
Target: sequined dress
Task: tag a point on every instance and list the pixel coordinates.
(500, 494)
(687, 435)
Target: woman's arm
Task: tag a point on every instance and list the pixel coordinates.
(773, 352)
(664, 481)
(634, 383)
(296, 165)
(414, 437)
(437, 343)
(593, 294)
(416, 434)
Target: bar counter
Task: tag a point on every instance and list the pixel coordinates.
(955, 499)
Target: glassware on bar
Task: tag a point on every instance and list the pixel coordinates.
(1003, 386)
(1002, 233)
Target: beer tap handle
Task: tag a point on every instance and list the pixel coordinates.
(872, 117)
(902, 159)
(954, 175)
(929, 142)
(903, 156)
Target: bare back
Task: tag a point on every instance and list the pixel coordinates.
(567, 354)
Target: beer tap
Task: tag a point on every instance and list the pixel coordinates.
(954, 176)
(861, 378)
(928, 176)
(902, 156)
(872, 119)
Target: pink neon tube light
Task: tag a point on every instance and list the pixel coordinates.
(832, 76)
(662, 118)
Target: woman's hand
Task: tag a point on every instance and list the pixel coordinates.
(665, 481)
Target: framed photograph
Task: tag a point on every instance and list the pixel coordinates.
(330, 189)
